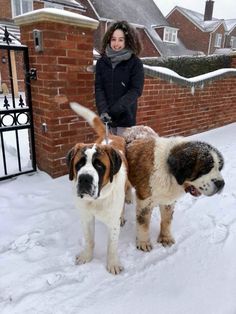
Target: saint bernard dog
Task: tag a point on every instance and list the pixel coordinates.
(161, 170)
(99, 173)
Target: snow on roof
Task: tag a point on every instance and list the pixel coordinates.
(230, 24)
(198, 18)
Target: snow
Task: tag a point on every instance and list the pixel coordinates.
(40, 235)
(57, 12)
(199, 78)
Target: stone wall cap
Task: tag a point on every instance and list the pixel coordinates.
(56, 15)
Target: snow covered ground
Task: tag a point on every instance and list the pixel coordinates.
(40, 235)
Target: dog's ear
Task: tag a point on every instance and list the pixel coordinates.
(69, 162)
(115, 161)
(182, 161)
(70, 159)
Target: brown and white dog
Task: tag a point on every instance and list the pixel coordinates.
(99, 172)
(161, 170)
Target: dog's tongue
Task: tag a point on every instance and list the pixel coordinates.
(192, 190)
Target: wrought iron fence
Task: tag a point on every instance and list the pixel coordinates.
(17, 149)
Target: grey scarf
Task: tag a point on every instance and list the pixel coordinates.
(118, 56)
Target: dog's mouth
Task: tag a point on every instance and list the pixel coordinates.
(192, 190)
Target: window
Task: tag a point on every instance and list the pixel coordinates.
(170, 35)
(21, 6)
(218, 40)
(233, 42)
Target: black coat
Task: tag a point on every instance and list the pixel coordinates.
(117, 90)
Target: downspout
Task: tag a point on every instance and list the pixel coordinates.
(209, 46)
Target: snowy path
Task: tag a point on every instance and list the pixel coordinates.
(40, 235)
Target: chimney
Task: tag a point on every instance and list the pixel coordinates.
(208, 10)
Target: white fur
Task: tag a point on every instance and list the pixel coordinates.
(84, 112)
(168, 190)
(107, 208)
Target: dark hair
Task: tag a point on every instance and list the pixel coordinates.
(132, 40)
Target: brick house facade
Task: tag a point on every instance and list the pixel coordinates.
(196, 36)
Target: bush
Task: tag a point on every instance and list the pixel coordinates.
(191, 66)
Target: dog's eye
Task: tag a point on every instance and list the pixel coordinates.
(80, 163)
(97, 163)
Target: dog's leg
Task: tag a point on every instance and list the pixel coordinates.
(122, 217)
(143, 217)
(113, 264)
(165, 236)
(128, 194)
(88, 229)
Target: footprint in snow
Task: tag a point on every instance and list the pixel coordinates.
(26, 241)
(219, 234)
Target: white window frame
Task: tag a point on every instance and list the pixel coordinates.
(170, 35)
(233, 41)
(21, 7)
(218, 40)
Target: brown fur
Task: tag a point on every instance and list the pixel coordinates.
(142, 159)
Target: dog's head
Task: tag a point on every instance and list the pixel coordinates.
(92, 167)
(197, 166)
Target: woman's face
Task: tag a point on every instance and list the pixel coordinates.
(117, 40)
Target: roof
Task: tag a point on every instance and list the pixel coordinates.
(198, 19)
(141, 12)
(230, 24)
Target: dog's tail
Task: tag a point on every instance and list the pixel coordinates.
(93, 120)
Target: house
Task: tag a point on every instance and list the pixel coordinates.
(199, 31)
(230, 37)
(158, 37)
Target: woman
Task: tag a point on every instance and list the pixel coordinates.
(119, 77)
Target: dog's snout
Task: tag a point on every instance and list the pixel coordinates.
(85, 180)
(219, 184)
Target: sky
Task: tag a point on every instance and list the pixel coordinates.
(40, 234)
(223, 9)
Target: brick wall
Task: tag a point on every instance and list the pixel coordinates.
(177, 109)
(5, 10)
(62, 75)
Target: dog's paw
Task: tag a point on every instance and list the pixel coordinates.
(114, 268)
(128, 197)
(122, 221)
(83, 258)
(145, 246)
(166, 240)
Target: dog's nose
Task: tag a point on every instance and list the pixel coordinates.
(85, 181)
(219, 184)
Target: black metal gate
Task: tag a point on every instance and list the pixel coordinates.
(17, 150)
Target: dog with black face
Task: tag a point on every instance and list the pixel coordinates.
(99, 173)
(162, 170)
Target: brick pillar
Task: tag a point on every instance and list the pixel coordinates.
(63, 74)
